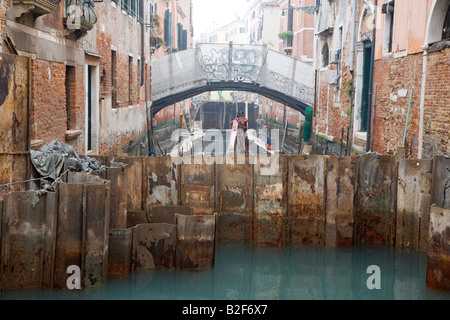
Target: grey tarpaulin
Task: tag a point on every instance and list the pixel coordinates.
(49, 161)
(47, 164)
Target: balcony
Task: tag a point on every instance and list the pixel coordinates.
(80, 18)
(35, 7)
(287, 44)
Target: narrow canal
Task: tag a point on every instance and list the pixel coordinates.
(245, 272)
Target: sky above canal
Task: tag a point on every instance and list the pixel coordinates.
(205, 12)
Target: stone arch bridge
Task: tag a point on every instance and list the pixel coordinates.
(217, 67)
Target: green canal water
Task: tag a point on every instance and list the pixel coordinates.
(244, 272)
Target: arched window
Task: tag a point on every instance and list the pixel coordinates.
(438, 27)
(446, 28)
(325, 55)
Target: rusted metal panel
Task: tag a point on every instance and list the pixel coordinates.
(307, 199)
(161, 182)
(14, 114)
(340, 188)
(135, 178)
(119, 251)
(195, 241)
(413, 203)
(438, 264)
(376, 199)
(82, 178)
(441, 181)
(49, 240)
(167, 214)
(235, 202)
(270, 206)
(95, 238)
(198, 187)
(69, 247)
(13, 168)
(135, 218)
(118, 180)
(154, 246)
(14, 97)
(1, 255)
(82, 231)
(27, 240)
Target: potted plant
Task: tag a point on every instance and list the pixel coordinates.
(285, 34)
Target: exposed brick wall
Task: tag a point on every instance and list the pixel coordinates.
(74, 88)
(333, 103)
(48, 96)
(119, 142)
(437, 105)
(275, 111)
(391, 75)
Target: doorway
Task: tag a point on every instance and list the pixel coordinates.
(92, 108)
(368, 47)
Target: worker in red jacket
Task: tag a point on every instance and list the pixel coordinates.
(242, 123)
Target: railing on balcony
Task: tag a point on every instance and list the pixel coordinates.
(287, 44)
(36, 7)
(81, 9)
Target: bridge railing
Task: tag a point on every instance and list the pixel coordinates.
(227, 62)
(209, 63)
(175, 73)
(290, 76)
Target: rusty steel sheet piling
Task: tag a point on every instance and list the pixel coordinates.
(195, 242)
(160, 186)
(14, 124)
(235, 202)
(135, 218)
(438, 264)
(376, 199)
(69, 231)
(441, 182)
(198, 186)
(307, 199)
(119, 196)
(28, 238)
(96, 234)
(340, 189)
(82, 230)
(135, 181)
(413, 203)
(116, 173)
(167, 214)
(119, 251)
(14, 167)
(1, 224)
(270, 221)
(154, 246)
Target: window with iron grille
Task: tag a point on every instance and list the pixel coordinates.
(446, 28)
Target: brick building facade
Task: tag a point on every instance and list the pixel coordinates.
(382, 71)
(90, 79)
(290, 18)
(172, 31)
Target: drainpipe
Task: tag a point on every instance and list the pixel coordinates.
(141, 11)
(352, 56)
(372, 62)
(422, 100)
(352, 67)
